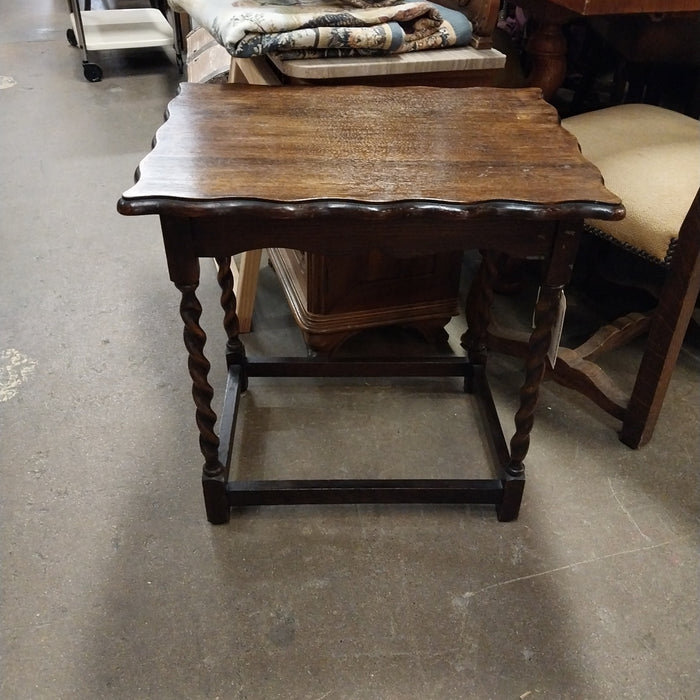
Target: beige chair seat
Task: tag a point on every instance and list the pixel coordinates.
(650, 156)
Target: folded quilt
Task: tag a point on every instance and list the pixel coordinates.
(316, 28)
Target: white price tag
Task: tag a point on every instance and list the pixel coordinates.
(557, 328)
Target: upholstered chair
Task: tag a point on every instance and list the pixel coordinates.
(650, 157)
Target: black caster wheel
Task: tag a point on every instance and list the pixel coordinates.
(72, 39)
(92, 72)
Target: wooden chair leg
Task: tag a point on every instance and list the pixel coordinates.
(245, 285)
(667, 326)
(666, 333)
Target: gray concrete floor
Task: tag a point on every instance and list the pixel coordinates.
(115, 586)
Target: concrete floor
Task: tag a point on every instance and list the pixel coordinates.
(115, 586)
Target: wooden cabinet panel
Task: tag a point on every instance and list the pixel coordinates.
(334, 297)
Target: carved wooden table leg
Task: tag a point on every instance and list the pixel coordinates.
(235, 350)
(213, 472)
(540, 341)
(547, 48)
(478, 309)
(478, 315)
(556, 277)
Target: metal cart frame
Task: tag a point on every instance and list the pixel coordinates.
(105, 30)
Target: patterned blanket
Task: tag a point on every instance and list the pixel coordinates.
(323, 28)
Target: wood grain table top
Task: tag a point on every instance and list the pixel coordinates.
(226, 145)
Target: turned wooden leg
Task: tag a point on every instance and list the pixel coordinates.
(477, 312)
(540, 341)
(213, 472)
(478, 315)
(547, 48)
(557, 274)
(235, 350)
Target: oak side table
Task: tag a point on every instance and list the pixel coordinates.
(408, 171)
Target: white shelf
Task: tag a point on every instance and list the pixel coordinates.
(456, 58)
(124, 29)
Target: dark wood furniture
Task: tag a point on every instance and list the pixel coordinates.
(650, 156)
(547, 45)
(656, 60)
(332, 298)
(496, 172)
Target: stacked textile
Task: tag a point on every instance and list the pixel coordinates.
(323, 28)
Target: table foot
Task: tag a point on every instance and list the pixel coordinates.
(509, 507)
(216, 501)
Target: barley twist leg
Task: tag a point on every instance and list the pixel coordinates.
(540, 340)
(478, 313)
(235, 350)
(213, 472)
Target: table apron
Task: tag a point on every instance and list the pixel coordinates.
(217, 237)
